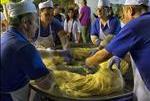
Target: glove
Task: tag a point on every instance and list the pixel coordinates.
(91, 70)
(93, 51)
(98, 42)
(114, 60)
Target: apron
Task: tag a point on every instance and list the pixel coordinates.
(102, 35)
(21, 94)
(46, 42)
(140, 89)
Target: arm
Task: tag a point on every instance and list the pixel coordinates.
(98, 58)
(95, 40)
(65, 26)
(64, 39)
(30, 62)
(80, 14)
(45, 81)
(106, 40)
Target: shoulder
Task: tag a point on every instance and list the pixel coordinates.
(114, 19)
(96, 21)
(56, 22)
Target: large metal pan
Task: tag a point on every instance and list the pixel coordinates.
(126, 95)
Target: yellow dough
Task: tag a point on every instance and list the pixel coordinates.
(103, 82)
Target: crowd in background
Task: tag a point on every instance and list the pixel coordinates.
(75, 20)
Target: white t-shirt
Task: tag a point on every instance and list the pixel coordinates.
(72, 26)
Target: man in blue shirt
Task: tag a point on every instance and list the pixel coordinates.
(20, 61)
(51, 33)
(105, 26)
(133, 38)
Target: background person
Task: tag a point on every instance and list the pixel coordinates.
(85, 21)
(51, 33)
(72, 26)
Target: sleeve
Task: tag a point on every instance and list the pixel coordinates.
(65, 26)
(94, 30)
(58, 26)
(123, 42)
(76, 28)
(115, 26)
(81, 10)
(30, 62)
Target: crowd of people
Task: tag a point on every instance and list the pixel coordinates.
(28, 29)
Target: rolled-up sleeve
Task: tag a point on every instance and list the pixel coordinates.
(123, 42)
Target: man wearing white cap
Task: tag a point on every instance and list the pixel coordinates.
(134, 38)
(20, 61)
(105, 26)
(51, 33)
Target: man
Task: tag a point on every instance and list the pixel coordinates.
(51, 33)
(85, 21)
(20, 61)
(105, 26)
(133, 38)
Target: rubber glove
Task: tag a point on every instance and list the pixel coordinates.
(114, 61)
(93, 51)
(91, 70)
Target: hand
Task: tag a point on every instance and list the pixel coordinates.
(46, 81)
(114, 60)
(91, 70)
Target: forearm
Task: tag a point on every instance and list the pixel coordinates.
(106, 40)
(98, 58)
(102, 56)
(45, 81)
(64, 39)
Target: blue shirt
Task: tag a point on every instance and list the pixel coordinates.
(112, 28)
(20, 61)
(135, 38)
(55, 28)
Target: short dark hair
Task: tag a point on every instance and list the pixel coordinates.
(15, 21)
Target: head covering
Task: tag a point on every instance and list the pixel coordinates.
(2, 17)
(102, 3)
(22, 7)
(48, 3)
(135, 2)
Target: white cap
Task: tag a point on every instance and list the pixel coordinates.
(102, 3)
(135, 2)
(2, 17)
(22, 7)
(48, 3)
